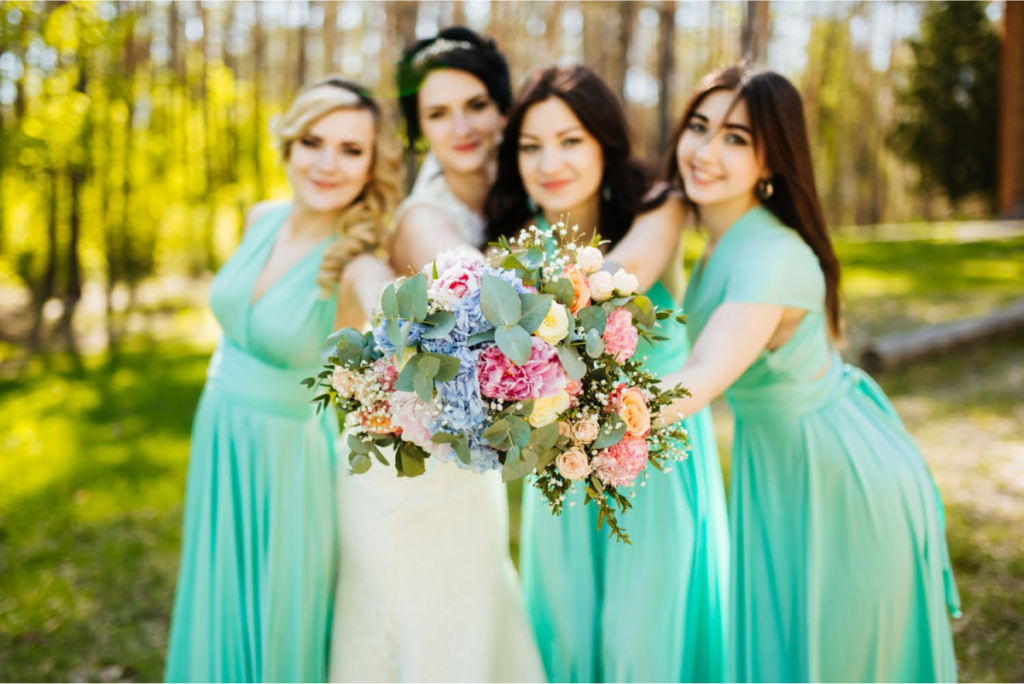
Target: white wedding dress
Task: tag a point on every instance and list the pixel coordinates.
(426, 589)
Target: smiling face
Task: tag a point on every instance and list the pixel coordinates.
(329, 165)
(716, 156)
(560, 162)
(459, 120)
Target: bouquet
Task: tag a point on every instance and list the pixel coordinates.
(523, 362)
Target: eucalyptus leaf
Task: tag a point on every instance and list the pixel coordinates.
(480, 337)
(379, 455)
(520, 431)
(593, 318)
(612, 431)
(444, 438)
(359, 463)
(515, 343)
(409, 371)
(595, 345)
(412, 298)
(497, 435)
(513, 263)
(571, 362)
(519, 466)
(561, 289)
(441, 323)
(450, 366)
(461, 447)
(535, 310)
(543, 438)
(389, 302)
(413, 459)
(347, 345)
(643, 310)
(357, 445)
(499, 302)
(533, 257)
(423, 385)
(430, 366)
(547, 458)
(398, 334)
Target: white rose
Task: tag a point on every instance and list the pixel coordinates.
(547, 409)
(555, 325)
(589, 260)
(572, 464)
(625, 283)
(601, 285)
(586, 431)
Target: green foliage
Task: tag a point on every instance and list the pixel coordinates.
(950, 122)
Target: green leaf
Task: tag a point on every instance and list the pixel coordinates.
(561, 289)
(347, 345)
(543, 438)
(547, 458)
(485, 336)
(461, 447)
(444, 438)
(642, 309)
(572, 363)
(499, 302)
(449, 368)
(423, 386)
(379, 455)
(611, 433)
(527, 409)
(430, 366)
(593, 318)
(389, 302)
(595, 345)
(357, 445)
(520, 431)
(413, 459)
(533, 257)
(398, 335)
(512, 262)
(518, 464)
(412, 298)
(515, 343)
(442, 322)
(409, 371)
(497, 435)
(535, 309)
(359, 463)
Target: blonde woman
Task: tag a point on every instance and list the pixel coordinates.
(256, 582)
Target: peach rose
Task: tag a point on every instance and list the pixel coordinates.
(634, 412)
(580, 289)
(585, 430)
(564, 429)
(572, 464)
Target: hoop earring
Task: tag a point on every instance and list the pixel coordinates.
(606, 192)
(765, 189)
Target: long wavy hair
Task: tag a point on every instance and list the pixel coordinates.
(625, 181)
(780, 134)
(361, 226)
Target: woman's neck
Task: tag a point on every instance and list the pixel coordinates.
(306, 225)
(586, 215)
(718, 218)
(471, 187)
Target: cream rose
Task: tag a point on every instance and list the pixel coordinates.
(589, 260)
(602, 286)
(572, 464)
(625, 283)
(555, 325)
(634, 412)
(547, 409)
(585, 431)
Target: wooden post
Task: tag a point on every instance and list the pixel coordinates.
(1011, 112)
(755, 31)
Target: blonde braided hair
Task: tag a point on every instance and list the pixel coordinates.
(362, 226)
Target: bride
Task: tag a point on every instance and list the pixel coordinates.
(426, 588)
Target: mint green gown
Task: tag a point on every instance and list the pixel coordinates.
(653, 611)
(840, 570)
(256, 582)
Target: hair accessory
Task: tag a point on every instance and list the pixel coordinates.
(765, 189)
(439, 47)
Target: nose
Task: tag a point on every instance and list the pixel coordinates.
(707, 149)
(548, 161)
(327, 160)
(460, 124)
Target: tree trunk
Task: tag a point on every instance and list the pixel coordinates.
(618, 52)
(78, 173)
(45, 290)
(330, 36)
(666, 72)
(300, 53)
(756, 31)
(257, 107)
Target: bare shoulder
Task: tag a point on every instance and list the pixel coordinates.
(259, 210)
(422, 220)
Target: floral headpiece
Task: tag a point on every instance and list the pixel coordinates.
(439, 47)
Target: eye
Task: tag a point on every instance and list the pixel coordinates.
(697, 126)
(435, 114)
(734, 139)
(571, 142)
(528, 148)
(479, 105)
(351, 151)
(307, 141)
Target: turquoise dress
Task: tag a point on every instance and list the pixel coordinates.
(653, 611)
(840, 570)
(256, 583)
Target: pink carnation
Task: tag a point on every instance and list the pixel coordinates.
(386, 373)
(619, 465)
(541, 376)
(573, 388)
(620, 335)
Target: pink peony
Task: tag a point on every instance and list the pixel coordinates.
(619, 465)
(541, 376)
(620, 335)
(410, 415)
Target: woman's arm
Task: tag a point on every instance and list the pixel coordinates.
(651, 242)
(728, 345)
(362, 283)
(423, 232)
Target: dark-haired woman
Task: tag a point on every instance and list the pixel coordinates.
(426, 587)
(602, 610)
(840, 567)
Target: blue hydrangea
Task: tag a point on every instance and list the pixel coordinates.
(384, 344)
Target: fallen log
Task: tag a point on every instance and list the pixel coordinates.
(896, 350)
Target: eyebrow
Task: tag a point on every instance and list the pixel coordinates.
(559, 134)
(741, 127)
(444, 105)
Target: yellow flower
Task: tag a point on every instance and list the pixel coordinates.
(547, 409)
(555, 326)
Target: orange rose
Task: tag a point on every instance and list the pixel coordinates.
(580, 289)
(634, 412)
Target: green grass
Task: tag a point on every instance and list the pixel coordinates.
(94, 459)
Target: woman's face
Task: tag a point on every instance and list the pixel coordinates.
(459, 119)
(330, 165)
(715, 154)
(560, 162)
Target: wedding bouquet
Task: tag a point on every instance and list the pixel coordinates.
(522, 362)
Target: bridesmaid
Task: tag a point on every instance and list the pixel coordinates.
(840, 567)
(255, 586)
(602, 610)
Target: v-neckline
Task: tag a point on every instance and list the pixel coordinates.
(275, 236)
